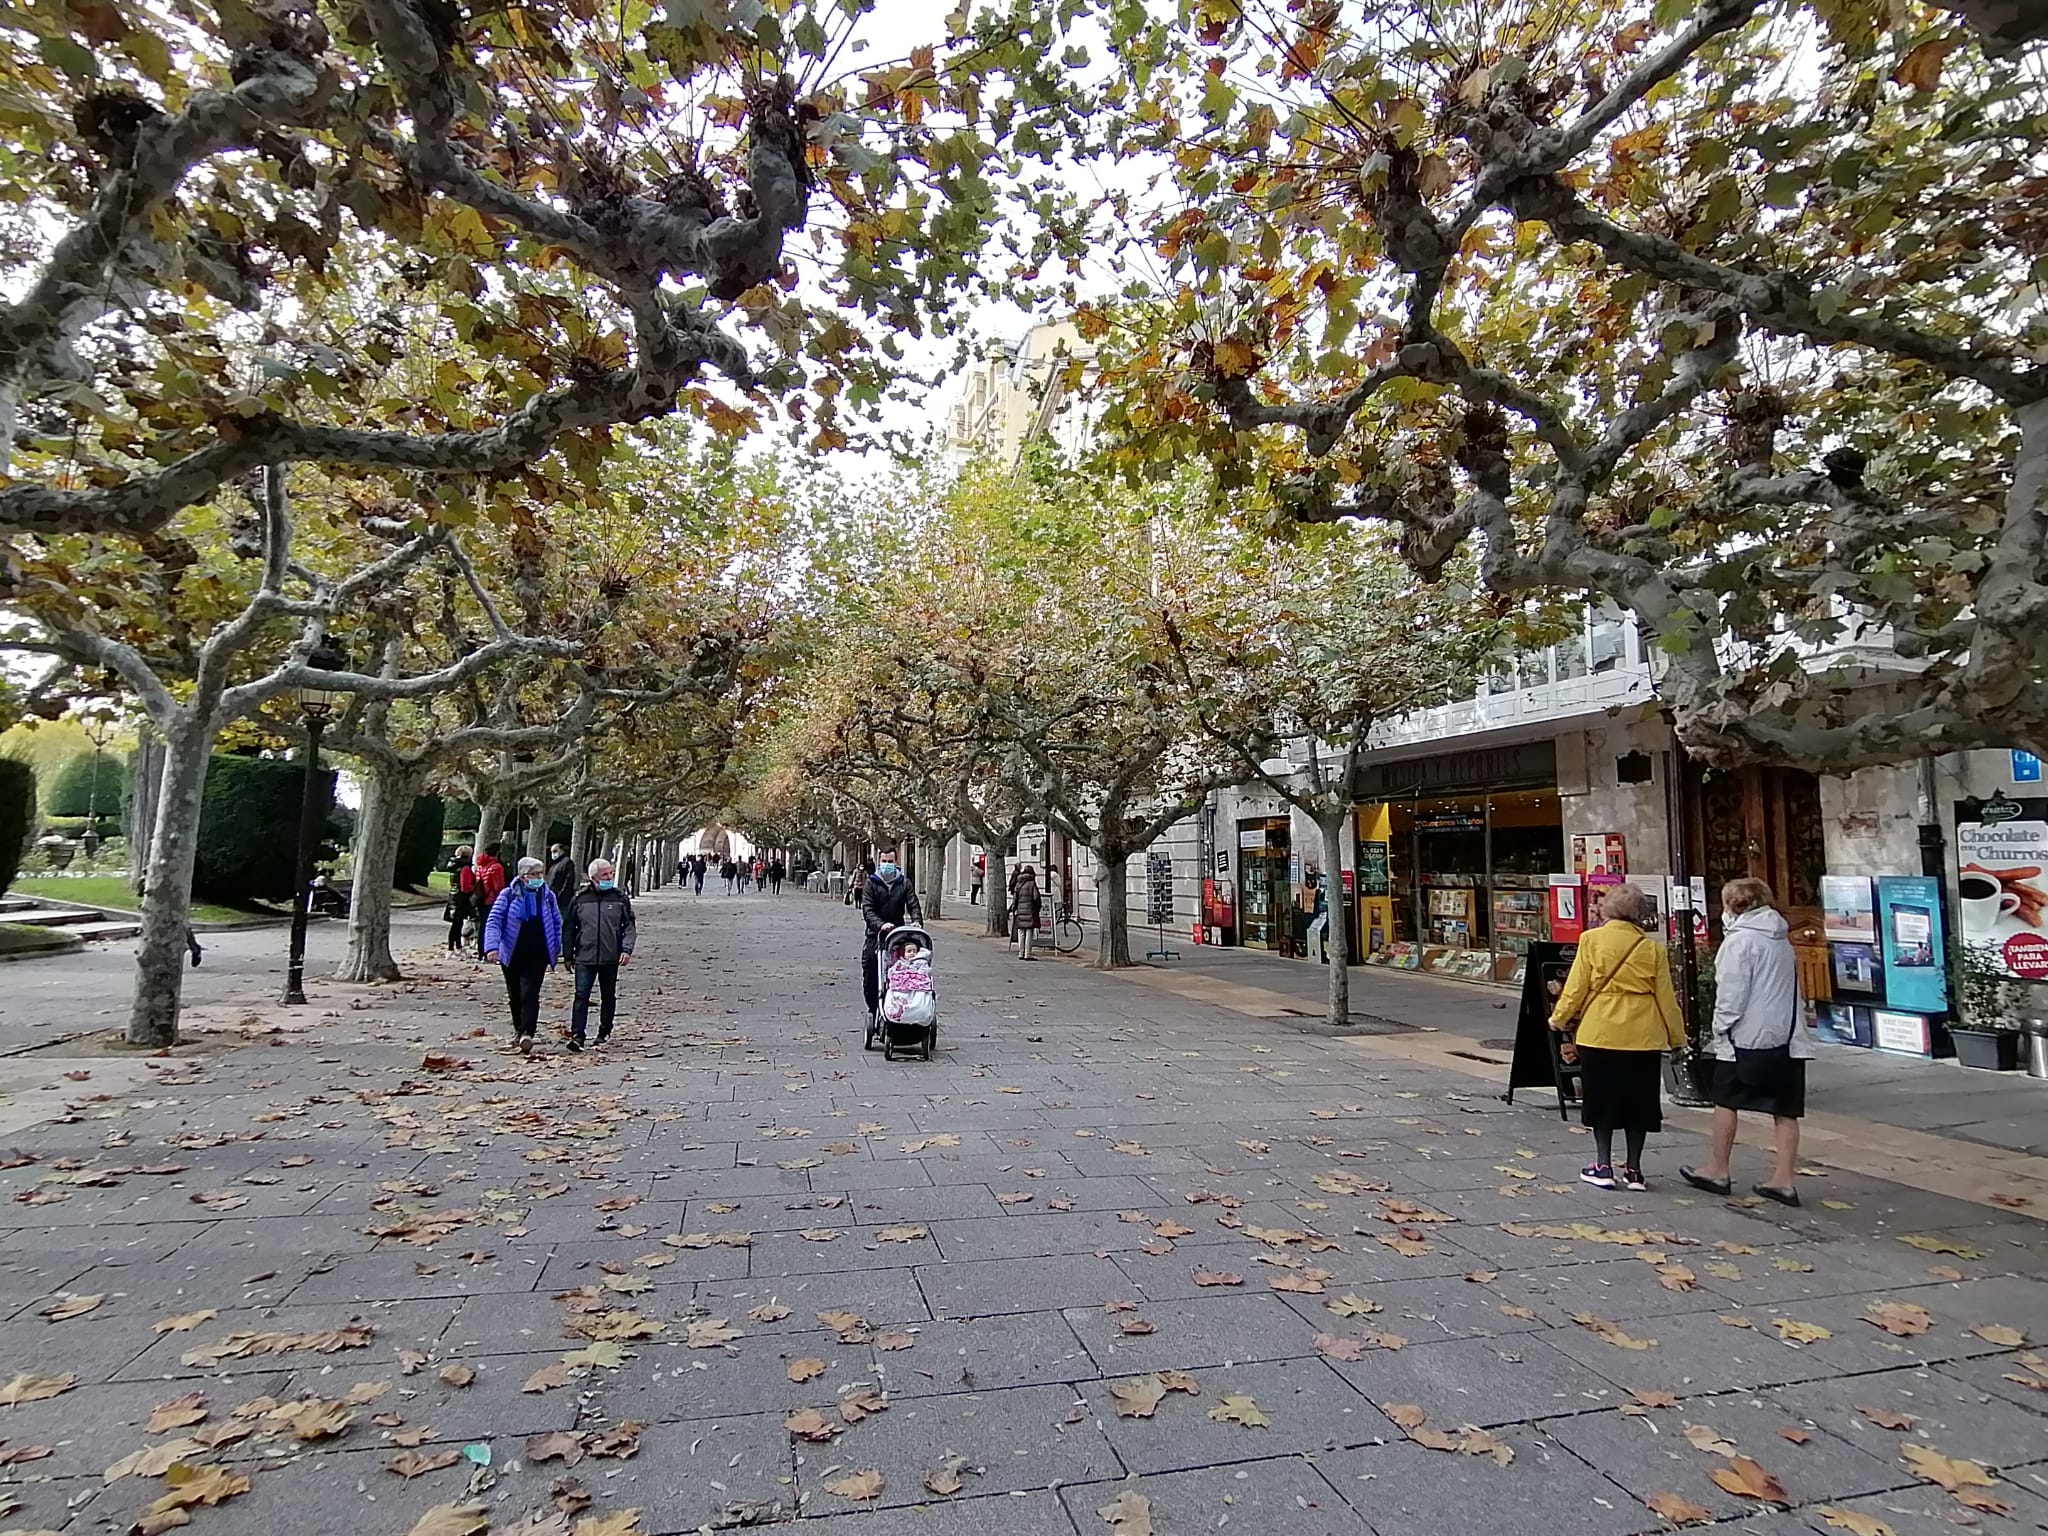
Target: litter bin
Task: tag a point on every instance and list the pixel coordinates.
(2036, 1032)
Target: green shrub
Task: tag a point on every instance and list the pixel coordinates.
(74, 827)
(74, 791)
(419, 844)
(249, 828)
(17, 816)
(462, 816)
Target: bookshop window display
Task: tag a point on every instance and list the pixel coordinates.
(1467, 879)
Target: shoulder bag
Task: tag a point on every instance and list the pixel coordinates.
(1568, 1047)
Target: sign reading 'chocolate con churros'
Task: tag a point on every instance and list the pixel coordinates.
(2002, 882)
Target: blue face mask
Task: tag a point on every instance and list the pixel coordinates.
(603, 885)
(535, 883)
(887, 870)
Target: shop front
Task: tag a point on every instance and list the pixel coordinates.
(1265, 884)
(1455, 858)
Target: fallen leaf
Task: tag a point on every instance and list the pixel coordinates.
(547, 1378)
(1128, 1514)
(456, 1375)
(26, 1387)
(1676, 1277)
(1612, 1333)
(1678, 1509)
(809, 1424)
(860, 1485)
(1217, 1277)
(805, 1369)
(1351, 1306)
(192, 1486)
(1791, 1266)
(1137, 1326)
(907, 1234)
(559, 1445)
(177, 1413)
(1797, 1332)
(604, 1354)
(1483, 1276)
(2011, 1202)
(1853, 1522)
(890, 1340)
(1407, 1415)
(186, 1322)
(152, 1460)
(67, 1306)
(820, 1234)
(1702, 1437)
(452, 1520)
(1299, 1284)
(768, 1312)
(2000, 1334)
(1950, 1472)
(858, 1403)
(709, 1333)
(1746, 1479)
(1338, 1347)
(1904, 1319)
(412, 1464)
(1929, 1244)
(1796, 1436)
(1138, 1397)
(1655, 1399)
(945, 1479)
(1237, 1408)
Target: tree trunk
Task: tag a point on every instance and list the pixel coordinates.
(167, 893)
(537, 832)
(931, 863)
(995, 893)
(579, 839)
(490, 823)
(1112, 904)
(388, 794)
(1331, 824)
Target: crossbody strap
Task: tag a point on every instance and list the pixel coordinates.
(1611, 975)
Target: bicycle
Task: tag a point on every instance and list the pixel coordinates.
(1067, 931)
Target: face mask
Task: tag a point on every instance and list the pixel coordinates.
(604, 885)
(535, 883)
(886, 870)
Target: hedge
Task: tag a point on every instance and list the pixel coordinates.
(17, 816)
(72, 791)
(462, 816)
(74, 827)
(419, 844)
(249, 827)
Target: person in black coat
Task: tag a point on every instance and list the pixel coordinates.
(599, 934)
(886, 900)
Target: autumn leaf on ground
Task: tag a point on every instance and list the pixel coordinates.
(905, 1234)
(1796, 1332)
(452, 1520)
(1702, 1437)
(199, 1485)
(456, 1375)
(709, 1333)
(1128, 1514)
(1136, 1326)
(1300, 1284)
(623, 1522)
(944, 1480)
(1746, 1479)
(1217, 1277)
(152, 1460)
(1601, 1328)
(27, 1387)
(1238, 1408)
(1676, 1277)
(1407, 1415)
(177, 1413)
(809, 1424)
(891, 1339)
(558, 1445)
(1338, 1347)
(1902, 1318)
(1929, 1244)
(67, 1306)
(859, 1485)
(1795, 1435)
(1885, 1418)
(1479, 1442)
(1678, 1509)
(857, 1403)
(412, 1464)
(1851, 1521)
(805, 1369)
(1138, 1397)
(768, 1312)
(2000, 1334)
(186, 1322)
(1483, 1276)
(1950, 1472)
(604, 1353)
(1351, 1306)
(547, 1378)
(1655, 1399)
(628, 1285)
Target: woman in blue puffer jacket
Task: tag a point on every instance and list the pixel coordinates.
(524, 935)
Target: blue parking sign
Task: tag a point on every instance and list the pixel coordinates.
(2026, 768)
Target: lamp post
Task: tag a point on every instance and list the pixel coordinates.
(316, 704)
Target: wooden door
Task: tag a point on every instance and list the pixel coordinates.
(1765, 823)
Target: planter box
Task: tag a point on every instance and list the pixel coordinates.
(1993, 1050)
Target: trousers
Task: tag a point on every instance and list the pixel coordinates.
(870, 984)
(606, 979)
(522, 983)
(1026, 934)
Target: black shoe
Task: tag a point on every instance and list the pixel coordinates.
(1784, 1196)
(1711, 1186)
(575, 1042)
(603, 1035)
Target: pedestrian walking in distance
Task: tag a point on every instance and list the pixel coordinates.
(697, 873)
(886, 900)
(1619, 993)
(1024, 903)
(777, 870)
(484, 890)
(561, 875)
(1761, 1045)
(977, 879)
(461, 893)
(524, 935)
(601, 932)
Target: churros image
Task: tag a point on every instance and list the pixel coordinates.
(2018, 879)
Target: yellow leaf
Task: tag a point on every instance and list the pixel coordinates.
(1999, 1334)
(1128, 1514)
(1678, 1509)
(1798, 1332)
(858, 1485)
(1237, 1408)
(1854, 1523)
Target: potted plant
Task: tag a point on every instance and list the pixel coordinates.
(1689, 1075)
(1985, 1033)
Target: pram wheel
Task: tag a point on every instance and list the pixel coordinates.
(869, 1045)
(888, 1047)
(931, 1038)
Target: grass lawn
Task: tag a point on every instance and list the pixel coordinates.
(21, 939)
(113, 891)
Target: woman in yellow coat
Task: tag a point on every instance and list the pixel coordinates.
(1619, 993)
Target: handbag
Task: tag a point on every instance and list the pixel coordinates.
(1767, 1066)
(1568, 1047)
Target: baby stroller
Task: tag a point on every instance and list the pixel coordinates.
(907, 1016)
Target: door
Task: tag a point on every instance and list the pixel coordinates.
(1764, 823)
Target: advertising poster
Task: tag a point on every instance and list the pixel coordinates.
(1372, 867)
(1597, 887)
(1906, 1033)
(2002, 882)
(1909, 925)
(1567, 909)
(1843, 1024)
(1857, 975)
(1847, 910)
(1599, 853)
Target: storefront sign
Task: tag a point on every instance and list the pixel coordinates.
(1451, 821)
(2002, 866)
(1372, 867)
(2026, 768)
(1909, 926)
(1846, 909)
(1906, 1032)
(1531, 763)
(1251, 837)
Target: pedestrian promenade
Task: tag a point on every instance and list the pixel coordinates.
(1122, 1259)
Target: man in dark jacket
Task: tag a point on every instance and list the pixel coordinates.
(561, 875)
(599, 939)
(886, 901)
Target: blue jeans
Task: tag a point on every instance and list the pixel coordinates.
(606, 979)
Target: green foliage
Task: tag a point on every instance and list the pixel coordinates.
(74, 827)
(1984, 990)
(17, 816)
(460, 816)
(419, 843)
(249, 827)
(75, 792)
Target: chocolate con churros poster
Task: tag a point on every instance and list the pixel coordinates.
(2001, 885)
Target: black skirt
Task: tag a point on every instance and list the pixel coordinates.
(1623, 1090)
(1764, 1081)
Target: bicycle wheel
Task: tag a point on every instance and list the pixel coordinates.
(1067, 936)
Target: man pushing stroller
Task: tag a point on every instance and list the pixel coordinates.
(887, 900)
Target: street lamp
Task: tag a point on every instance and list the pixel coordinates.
(316, 703)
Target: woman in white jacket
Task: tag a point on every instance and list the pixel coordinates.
(1761, 1046)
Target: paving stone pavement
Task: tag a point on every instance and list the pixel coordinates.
(1111, 1241)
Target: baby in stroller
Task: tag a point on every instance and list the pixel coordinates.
(908, 999)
